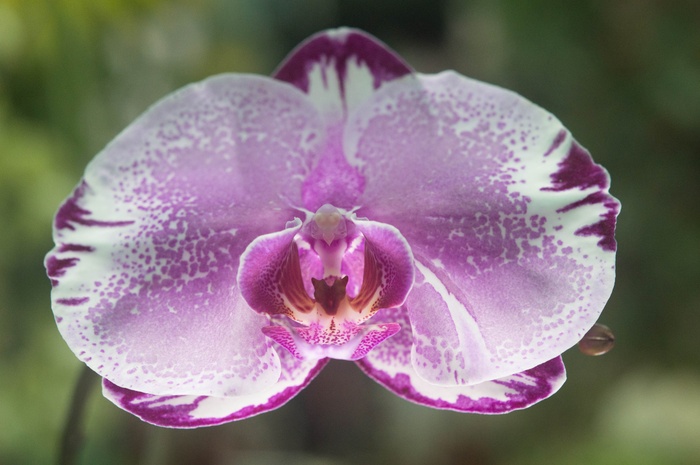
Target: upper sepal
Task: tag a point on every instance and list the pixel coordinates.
(338, 69)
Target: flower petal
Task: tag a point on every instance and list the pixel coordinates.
(388, 270)
(390, 365)
(144, 270)
(340, 68)
(270, 277)
(511, 227)
(196, 411)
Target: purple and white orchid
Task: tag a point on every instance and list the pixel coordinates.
(449, 236)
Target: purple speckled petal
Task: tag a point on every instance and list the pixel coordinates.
(390, 365)
(147, 247)
(196, 411)
(509, 220)
(339, 70)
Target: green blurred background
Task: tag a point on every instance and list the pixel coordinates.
(623, 75)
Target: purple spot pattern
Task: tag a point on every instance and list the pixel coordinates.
(578, 171)
(561, 137)
(373, 337)
(75, 248)
(605, 228)
(71, 214)
(55, 267)
(283, 336)
(74, 301)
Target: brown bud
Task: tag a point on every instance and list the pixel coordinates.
(597, 341)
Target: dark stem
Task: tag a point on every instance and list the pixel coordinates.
(72, 438)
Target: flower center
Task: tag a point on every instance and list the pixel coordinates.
(327, 276)
(329, 236)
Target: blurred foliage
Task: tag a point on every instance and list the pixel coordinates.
(624, 76)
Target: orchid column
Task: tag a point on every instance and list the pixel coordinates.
(448, 235)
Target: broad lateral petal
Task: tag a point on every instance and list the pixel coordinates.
(197, 411)
(144, 270)
(389, 365)
(340, 68)
(512, 226)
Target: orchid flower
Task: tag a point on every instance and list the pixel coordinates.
(447, 235)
